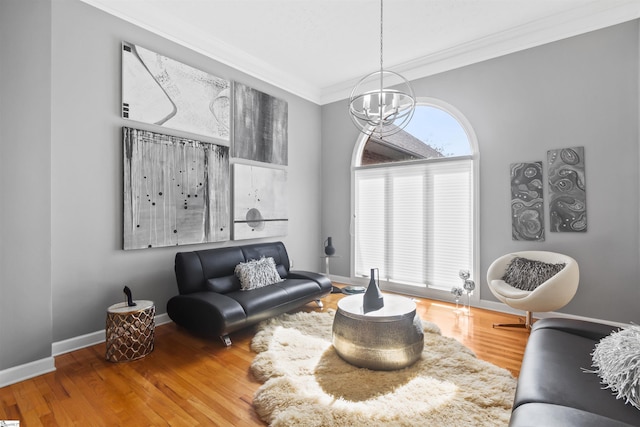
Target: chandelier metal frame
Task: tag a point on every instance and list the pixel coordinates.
(374, 108)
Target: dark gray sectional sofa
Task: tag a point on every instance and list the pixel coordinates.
(554, 390)
(210, 301)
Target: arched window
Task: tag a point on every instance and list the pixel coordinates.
(415, 203)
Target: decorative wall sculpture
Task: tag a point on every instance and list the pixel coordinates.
(527, 217)
(165, 92)
(260, 202)
(176, 190)
(567, 190)
(260, 126)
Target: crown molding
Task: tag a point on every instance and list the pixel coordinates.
(180, 32)
(593, 16)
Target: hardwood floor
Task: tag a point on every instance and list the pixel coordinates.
(190, 381)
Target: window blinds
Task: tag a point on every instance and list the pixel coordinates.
(414, 222)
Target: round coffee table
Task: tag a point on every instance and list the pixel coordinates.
(386, 339)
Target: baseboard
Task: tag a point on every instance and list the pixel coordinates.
(26, 371)
(46, 365)
(93, 338)
(76, 343)
(43, 366)
(502, 308)
(341, 279)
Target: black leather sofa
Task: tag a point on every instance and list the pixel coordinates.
(554, 390)
(210, 302)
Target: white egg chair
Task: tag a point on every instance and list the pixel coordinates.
(552, 294)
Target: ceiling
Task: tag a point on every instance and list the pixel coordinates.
(318, 49)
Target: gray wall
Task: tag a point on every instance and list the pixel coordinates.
(581, 91)
(61, 197)
(89, 269)
(25, 173)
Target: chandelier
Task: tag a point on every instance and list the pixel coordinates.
(377, 109)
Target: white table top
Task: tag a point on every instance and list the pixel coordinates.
(395, 307)
(122, 307)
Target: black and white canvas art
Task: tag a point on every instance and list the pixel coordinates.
(527, 217)
(176, 190)
(161, 91)
(260, 202)
(567, 190)
(260, 126)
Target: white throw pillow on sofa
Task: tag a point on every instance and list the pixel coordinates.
(257, 273)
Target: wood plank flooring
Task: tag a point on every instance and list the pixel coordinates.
(191, 381)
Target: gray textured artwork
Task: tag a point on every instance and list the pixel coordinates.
(176, 190)
(567, 190)
(165, 92)
(260, 126)
(527, 218)
(260, 202)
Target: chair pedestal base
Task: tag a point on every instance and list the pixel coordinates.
(526, 325)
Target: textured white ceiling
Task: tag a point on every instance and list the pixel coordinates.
(319, 48)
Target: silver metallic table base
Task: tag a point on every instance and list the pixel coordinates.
(386, 339)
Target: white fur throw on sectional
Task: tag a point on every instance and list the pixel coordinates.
(616, 360)
(257, 273)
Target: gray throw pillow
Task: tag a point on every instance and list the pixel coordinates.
(616, 359)
(257, 273)
(528, 274)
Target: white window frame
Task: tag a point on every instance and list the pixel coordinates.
(475, 157)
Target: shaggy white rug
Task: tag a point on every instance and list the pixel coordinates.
(307, 384)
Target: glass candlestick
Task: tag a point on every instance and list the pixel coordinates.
(469, 285)
(457, 293)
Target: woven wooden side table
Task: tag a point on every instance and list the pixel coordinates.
(130, 331)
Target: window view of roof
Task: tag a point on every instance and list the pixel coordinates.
(399, 147)
(431, 134)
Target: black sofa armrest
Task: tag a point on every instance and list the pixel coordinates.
(207, 313)
(322, 280)
(189, 272)
(550, 415)
(582, 328)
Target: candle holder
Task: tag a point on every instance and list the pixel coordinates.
(457, 293)
(468, 285)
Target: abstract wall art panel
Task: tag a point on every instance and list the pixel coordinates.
(527, 217)
(165, 92)
(567, 190)
(176, 190)
(260, 126)
(260, 202)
